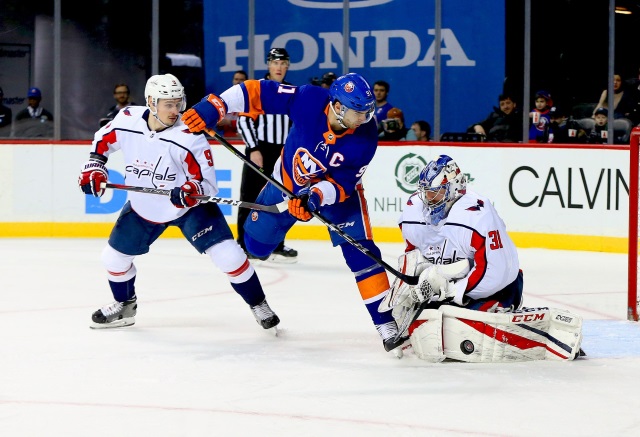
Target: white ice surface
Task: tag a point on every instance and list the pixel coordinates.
(197, 364)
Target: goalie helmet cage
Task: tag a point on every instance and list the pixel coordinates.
(634, 260)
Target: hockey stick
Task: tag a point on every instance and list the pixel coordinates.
(411, 280)
(238, 203)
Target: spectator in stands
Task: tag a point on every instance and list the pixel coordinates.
(540, 127)
(239, 77)
(228, 126)
(625, 104)
(420, 131)
(122, 95)
(34, 110)
(5, 117)
(599, 133)
(565, 130)
(393, 128)
(381, 91)
(503, 125)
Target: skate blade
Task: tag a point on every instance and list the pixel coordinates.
(282, 259)
(115, 324)
(275, 331)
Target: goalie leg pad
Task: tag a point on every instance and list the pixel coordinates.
(565, 335)
(523, 335)
(426, 338)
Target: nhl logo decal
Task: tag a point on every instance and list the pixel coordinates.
(349, 87)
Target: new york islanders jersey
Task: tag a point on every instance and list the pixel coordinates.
(313, 152)
(164, 160)
(472, 230)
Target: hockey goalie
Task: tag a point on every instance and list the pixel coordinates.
(467, 305)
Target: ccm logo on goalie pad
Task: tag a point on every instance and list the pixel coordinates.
(519, 318)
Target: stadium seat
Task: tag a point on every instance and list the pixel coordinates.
(583, 110)
(587, 123)
(622, 130)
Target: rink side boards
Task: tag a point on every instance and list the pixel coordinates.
(571, 197)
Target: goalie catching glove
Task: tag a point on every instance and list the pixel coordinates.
(205, 114)
(433, 286)
(307, 201)
(181, 196)
(92, 175)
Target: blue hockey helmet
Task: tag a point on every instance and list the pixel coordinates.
(353, 92)
(441, 184)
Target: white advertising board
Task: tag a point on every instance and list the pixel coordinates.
(537, 190)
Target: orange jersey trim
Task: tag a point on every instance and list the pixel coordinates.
(254, 103)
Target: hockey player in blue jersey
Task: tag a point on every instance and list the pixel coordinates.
(325, 155)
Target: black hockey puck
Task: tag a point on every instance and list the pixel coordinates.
(467, 347)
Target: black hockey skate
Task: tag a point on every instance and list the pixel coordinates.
(284, 254)
(389, 331)
(265, 316)
(115, 315)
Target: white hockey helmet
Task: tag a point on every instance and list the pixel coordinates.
(164, 86)
(441, 184)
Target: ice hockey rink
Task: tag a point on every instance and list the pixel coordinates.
(197, 364)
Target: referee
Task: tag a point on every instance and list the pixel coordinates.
(264, 138)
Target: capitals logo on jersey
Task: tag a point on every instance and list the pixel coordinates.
(306, 167)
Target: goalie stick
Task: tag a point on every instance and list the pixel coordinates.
(412, 280)
(232, 202)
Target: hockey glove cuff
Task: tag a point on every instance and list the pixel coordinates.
(205, 114)
(181, 196)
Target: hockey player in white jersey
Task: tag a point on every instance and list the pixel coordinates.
(160, 152)
(449, 223)
(468, 301)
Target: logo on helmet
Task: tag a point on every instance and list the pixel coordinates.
(349, 87)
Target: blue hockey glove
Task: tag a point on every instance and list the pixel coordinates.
(205, 114)
(180, 196)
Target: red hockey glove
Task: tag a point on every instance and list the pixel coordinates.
(205, 113)
(92, 175)
(180, 196)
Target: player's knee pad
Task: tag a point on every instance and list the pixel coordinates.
(120, 267)
(229, 257)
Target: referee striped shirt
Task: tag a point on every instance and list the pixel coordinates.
(266, 129)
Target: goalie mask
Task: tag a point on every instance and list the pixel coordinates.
(353, 92)
(441, 184)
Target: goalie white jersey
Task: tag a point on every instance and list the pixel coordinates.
(164, 159)
(472, 230)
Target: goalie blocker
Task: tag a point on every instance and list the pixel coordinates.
(479, 337)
